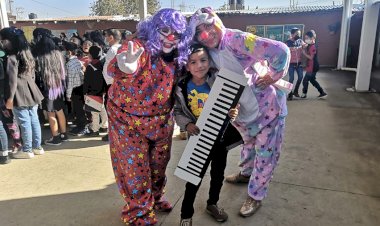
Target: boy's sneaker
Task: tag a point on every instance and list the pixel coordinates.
(56, 140)
(322, 96)
(23, 155)
(186, 222)
(217, 213)
(38, 151)
(64, 137)
(303, 96)
(296, 95)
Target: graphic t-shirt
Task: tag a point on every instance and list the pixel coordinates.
(197, 96)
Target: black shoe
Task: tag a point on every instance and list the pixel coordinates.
(64, 137)
(92, 133)
(103, 130)
(5, 159)
(290, 96)
(105, 138)
(79, 132)
(56, 140)
(296, 95)
(322, 95)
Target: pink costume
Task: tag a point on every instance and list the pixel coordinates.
(262, 113)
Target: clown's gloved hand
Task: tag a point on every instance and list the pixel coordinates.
(127, 61)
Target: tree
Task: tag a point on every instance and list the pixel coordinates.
(121, 7)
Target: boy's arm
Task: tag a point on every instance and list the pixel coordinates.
(70, 73)
(180, 117)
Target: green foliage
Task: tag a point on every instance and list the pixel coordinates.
(121, 7)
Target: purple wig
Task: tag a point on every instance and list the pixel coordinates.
(147, 30)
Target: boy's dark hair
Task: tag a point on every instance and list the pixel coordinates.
(294, 30)
(95, 52)
(196, 47)
(113, 32)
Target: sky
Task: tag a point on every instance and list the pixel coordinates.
(70, 8)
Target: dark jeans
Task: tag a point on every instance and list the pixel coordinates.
(77, 109)
(311, 77)
(298, 68)
(218, 158)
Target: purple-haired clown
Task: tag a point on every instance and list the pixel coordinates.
(140, 112)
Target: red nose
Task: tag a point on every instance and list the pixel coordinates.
(203, 35)
(171, 37)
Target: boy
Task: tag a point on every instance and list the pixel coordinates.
(191, 94)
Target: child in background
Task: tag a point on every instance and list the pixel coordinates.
(4, 157)
(311, 71)
(21, 93)
(191, 94)
(295, 45)
(95, 85)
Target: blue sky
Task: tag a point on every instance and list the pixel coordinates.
(68, 8)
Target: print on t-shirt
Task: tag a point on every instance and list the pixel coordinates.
(197, 96)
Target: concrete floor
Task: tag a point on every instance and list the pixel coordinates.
(329, 173)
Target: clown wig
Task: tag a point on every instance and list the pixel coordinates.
(147, 30)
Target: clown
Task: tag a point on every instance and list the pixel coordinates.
(140, 112)
(261, 118)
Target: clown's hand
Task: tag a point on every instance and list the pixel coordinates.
(127, 60)
(264, 79)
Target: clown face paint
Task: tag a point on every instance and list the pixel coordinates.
(208, 35)
(169, 39)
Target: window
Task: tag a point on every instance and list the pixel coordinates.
(275, 32)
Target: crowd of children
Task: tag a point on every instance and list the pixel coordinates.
(50, 79)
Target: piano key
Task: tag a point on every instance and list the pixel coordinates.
(202, 160)
(221, 106)
(203, 145)
(202, 150)
(207, 143)
(230, 91)
(232, 85)
(232, 96)
(210, 132)
(212, 127)
(210, 135)
(223, 111)
(214, 123)
(186, 175)
(219, 116)
(200, 154)
(196, 165)
(225, 101)
(227, 97)
(194, 169)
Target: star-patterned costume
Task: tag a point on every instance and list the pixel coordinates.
(262, 113)
(141, 126)
(263, 133)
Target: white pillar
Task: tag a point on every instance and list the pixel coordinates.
(344, 33)
(3, 14)
(367, 45)
(143, 6)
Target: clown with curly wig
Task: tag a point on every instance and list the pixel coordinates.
(140, 110)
